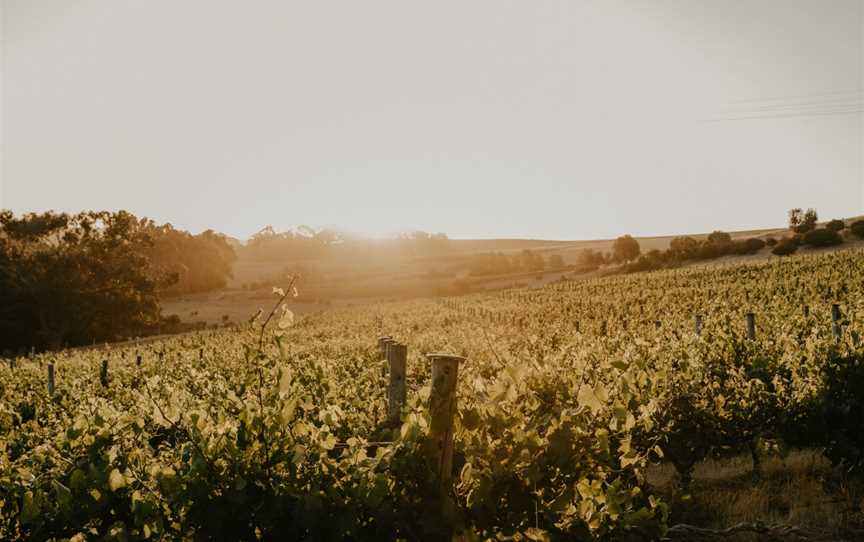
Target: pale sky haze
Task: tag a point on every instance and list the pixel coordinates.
(485, 118)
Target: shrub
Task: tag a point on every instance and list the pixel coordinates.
(857, 228)
(718, 237)
(785, 247)
(770, 241)
(748, 246)
(836, 225)
(821, 238)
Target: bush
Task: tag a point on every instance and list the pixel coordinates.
(770, 241)
(836, 225)
(785, 247)
(821, 238)
(857, 228)
(748, 246)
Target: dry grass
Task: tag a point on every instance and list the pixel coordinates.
(801, 489)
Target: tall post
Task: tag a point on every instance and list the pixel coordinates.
(397, 391)
(751, 326)
(138, 360)
(442, 407)
(51, 378)
(806, 311)
(382, 345)
(103, 374)
(697, 326)
(836, 330)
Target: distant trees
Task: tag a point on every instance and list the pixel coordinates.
(836, 225)
(497, 263)
(589, 257)
(785, 247)
(857, 229)
(684, 248)
(75, 278)
(802, 221)
(625, 248)
(821, 237)
(199, 263)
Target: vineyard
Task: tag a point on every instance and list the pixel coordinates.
(563, 396)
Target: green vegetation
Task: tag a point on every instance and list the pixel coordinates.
(97, 276)
(571, 394)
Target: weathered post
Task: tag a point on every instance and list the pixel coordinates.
(138, 359)
(50, 378)
(442, 407)
(200, 354)
(382, 345)
(806, 311)
(836, 330)
(103, 374)
(751, 326)
(697, 326)
(397, 391)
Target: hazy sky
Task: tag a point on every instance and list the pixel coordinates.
(555, 119)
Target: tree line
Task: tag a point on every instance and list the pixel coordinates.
(72, 279)
(804, 230)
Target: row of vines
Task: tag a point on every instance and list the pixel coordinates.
(568, 393)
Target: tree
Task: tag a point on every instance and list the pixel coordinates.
(625, 248)
(836, 225)
(684, 248)
(76, 278)
(857, 228)
(200, 262)
(785, 247)
(821, 237)
(718, 237)
(795, 217)
(807, 221)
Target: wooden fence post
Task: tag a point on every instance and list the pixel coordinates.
(397, 392)
(836, 330)
(382, 345)
(103, 374)
(751, 326)
(50, 379)
(442, 408)
(698, 325)
(806, 311)
(138, 360)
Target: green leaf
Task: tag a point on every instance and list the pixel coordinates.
(30, 508)
(116, 480)
(587, 398)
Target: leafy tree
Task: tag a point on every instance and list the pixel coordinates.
(857, 228)
(785, 247)
(795, 218)
(625, 248)
(76, 278)
(718, 237)
(807, 221)
(200, 262)
(836, 225)
(821, 237)
(684, 248)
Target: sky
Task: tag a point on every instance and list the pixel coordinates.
(570, 119)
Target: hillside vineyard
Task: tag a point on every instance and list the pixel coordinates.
(566, 394)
